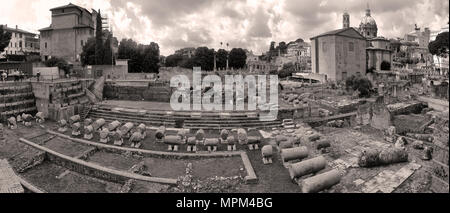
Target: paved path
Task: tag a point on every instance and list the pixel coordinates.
(9, 182)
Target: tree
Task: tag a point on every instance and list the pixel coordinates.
(237, 58)
(287, 70)
(88, 54)
(99, 48)
(221, 57)
(5, 37)
(362, 85)
(204, 58)
(385, 65)
(58, 62)
(440, 46)
(151, 58)
(108, 57)
(173, 60)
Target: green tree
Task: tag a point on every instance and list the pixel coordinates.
(237, 58)
(5, 37)
(99, 48)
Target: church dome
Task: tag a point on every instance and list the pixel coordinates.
(368, 20)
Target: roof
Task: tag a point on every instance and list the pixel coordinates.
(70, 5)
(16, 30)
(342, 32)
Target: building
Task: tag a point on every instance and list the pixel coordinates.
(21, 43)
(368, 26)
(378, 51)
(70, 29)
(339, 54)
(345, 20)
(186, 52)
(440, 63)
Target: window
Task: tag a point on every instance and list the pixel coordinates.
(324, 46)
(20, 35)
(45, 45)
(20, 44)
(351, 47)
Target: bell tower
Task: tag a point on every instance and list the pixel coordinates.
(346, 20)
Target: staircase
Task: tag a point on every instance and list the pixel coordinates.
(84, 113)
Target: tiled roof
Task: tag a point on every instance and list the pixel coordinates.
(16, 30)
(338, 32)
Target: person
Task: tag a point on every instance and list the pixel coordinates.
(38, 74)
(4, 76)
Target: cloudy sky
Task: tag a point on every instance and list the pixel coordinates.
(250, 24)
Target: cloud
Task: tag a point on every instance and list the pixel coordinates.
(250, 24)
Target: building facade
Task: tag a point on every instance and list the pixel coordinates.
(339, 54)
(21, 43)
(70, 29)
(379, 51)
(188, 52)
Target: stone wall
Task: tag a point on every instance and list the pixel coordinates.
(381, 117)
(151, 92)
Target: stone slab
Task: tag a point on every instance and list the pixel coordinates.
(9, 182)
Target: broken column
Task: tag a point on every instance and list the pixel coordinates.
(211, 144)
(12, 124)
(253, 142)
(40, 117)
(117, 137)
(142, 129)
(231, 143)
(74, 119)
(76, 129)
(104, 135)
(98, 124)
(374, 157)
(224, 135)
(160, 133)
(125, 130)
(321, 181)
(27, 118)
(88, 132)
(136, 139)
(200, 136)
(172, 141)
(267, 154)
(306, 167)
(113, 125)
(242, 136)
(191, 144)
(294, 154)
(62, 126)
(87, 122)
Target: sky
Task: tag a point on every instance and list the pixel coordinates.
(250, 24)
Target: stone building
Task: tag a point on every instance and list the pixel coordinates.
(187, 52)
(70, 29)
(368, 26)
(379, 50)
(339, 54)
(22, 42)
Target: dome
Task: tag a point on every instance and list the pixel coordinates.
(368, 20)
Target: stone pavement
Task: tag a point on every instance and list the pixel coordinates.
(387, 180)
(9, 182)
